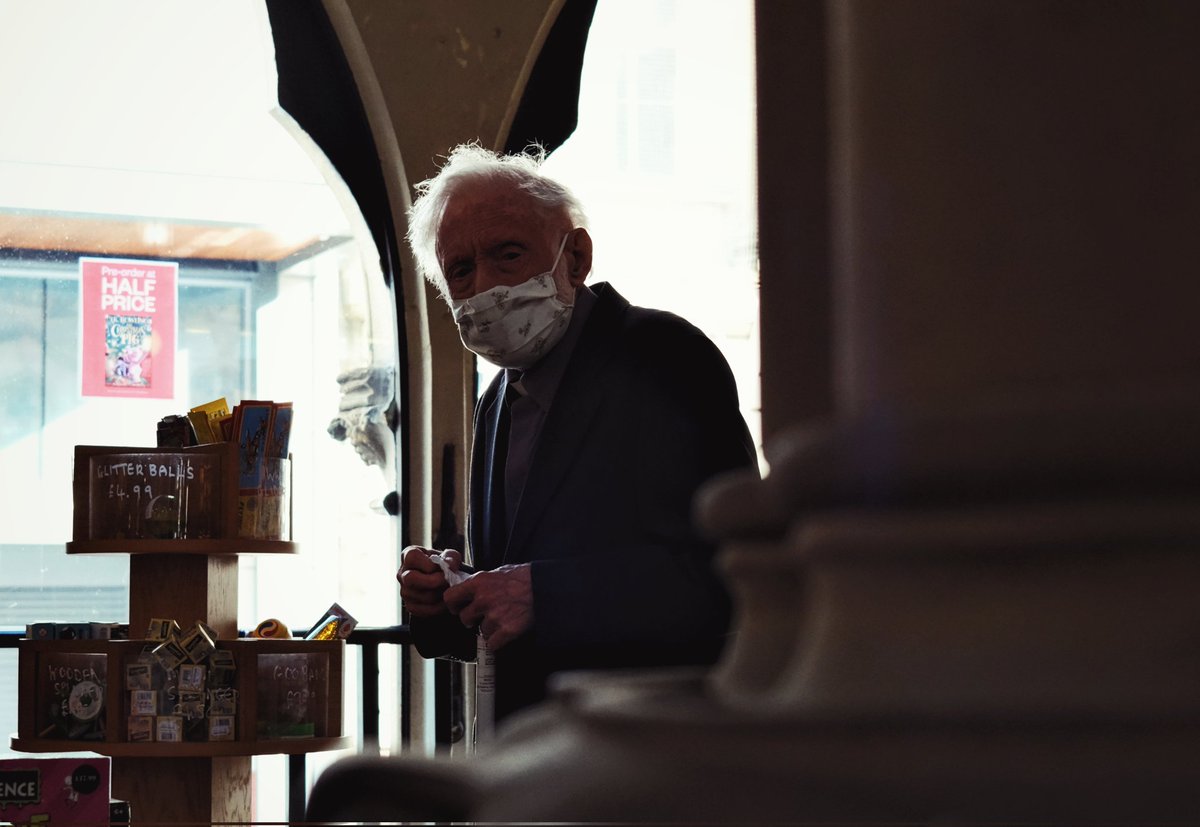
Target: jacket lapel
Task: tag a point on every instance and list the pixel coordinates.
(579, 397)
(480, 484)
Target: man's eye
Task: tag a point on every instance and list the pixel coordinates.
(459, 271)
(510, 255)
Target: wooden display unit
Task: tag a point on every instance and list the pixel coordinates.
(289, 692)
(278, 682)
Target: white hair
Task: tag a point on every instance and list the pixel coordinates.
(468, 163)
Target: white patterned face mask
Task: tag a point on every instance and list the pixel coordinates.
(514, 327)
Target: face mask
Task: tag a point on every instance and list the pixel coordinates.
(514, 327)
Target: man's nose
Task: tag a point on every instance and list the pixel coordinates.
(487, 276)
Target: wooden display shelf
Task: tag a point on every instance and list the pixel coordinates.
(232, 546)
(72, 693)
(277, 681)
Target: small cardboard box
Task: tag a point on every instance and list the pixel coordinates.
(56, 790)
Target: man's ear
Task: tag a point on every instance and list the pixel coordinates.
(578, 253)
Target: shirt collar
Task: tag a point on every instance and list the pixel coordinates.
(540, 382)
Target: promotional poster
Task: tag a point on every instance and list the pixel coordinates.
(128, 327)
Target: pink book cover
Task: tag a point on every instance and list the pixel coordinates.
(56, 791)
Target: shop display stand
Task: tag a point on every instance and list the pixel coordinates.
(194, 780)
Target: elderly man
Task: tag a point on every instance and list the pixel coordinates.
(588, 447)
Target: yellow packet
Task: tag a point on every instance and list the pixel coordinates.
(213, 412)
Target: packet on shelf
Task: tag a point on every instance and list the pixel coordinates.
(105, 631)
(191, 677)
(141, 728)
(221, 669)
(143, 702)
(336, 624)
(220, 728)
(169, 728)
(191, 705)
(198, 643)
(73, 631)
(205, 419)
(162, 629)
(170, 654)
(138, 676)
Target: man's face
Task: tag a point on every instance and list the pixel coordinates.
(492, 235)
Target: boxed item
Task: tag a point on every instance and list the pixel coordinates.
(144, 493)
(169, 729)
(77, 631)
(118, 812)
(222, 489)
(59, 791)
(70, 693)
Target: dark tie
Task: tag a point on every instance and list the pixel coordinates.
(497, 522)
(524, 415)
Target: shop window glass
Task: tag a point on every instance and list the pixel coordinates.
(664, 162)
(135, 129)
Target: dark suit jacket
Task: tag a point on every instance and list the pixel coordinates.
(647, 412)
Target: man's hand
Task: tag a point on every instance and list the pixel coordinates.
(499, 602)
(422, 582)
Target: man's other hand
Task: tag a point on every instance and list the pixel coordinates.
(422, 582)
(499, 602)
